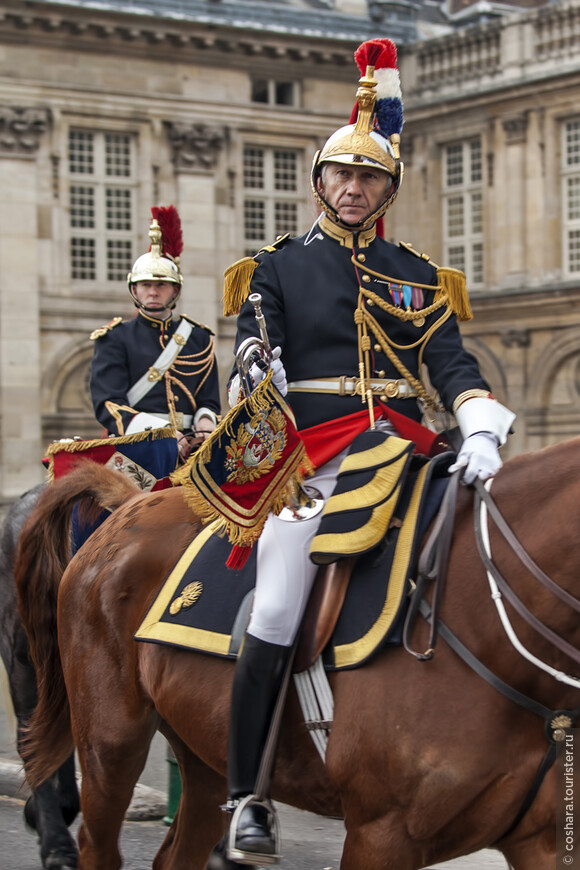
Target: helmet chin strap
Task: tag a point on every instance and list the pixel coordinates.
(332, 213)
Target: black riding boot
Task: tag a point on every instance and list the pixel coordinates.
(257, 681)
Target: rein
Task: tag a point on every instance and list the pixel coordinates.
(556, 722)
(433, 566)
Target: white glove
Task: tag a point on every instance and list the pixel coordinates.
(479, 456)
(278, 372)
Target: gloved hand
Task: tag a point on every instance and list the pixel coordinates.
(257, 373)
(479, 457)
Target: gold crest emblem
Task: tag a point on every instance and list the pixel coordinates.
(257, 447)
(189, 596)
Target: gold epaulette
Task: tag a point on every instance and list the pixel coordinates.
(197, 323)
(238, 276)
(451, 282)
(102, 330)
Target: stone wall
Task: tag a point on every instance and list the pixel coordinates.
(183, 91)
(513, 83)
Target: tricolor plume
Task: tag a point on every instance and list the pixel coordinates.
(170, 225)
(376, 52)
(382, 54)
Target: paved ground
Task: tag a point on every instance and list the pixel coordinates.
(309, 842)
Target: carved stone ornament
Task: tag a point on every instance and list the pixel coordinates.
(21, 129)
(515, 337)
(194, 146)
(515, 128)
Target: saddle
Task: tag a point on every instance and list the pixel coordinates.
(358, 603)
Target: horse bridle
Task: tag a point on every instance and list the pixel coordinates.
(433, 567)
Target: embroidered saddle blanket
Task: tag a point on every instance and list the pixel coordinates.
(204, 606)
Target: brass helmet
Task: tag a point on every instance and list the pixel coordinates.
(372, 138)
(161, 262)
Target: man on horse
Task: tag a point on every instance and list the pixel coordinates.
(156, 370)
(353, 319)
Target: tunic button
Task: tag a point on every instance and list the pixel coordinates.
(370, 303)
(361, 258)
(366, 278)
(382, 373)
(377, 347)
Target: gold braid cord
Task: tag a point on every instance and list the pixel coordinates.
(366, 324)
(200, 363)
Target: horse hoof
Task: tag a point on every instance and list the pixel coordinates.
(56, 862)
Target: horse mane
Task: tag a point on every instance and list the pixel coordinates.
(42, 555)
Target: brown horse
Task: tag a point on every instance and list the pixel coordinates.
(426, 761)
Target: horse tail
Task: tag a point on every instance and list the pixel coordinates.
(43, 552)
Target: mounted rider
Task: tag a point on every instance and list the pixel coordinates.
(353, 319)
(156, 370)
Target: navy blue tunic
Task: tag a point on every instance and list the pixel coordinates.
(310, 286)
(126, 351)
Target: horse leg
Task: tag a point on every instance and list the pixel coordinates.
(112, 747)
(45, 813)
(529, 856)
(377, 846)
(199, 822)
(55, 803)
(109, 776)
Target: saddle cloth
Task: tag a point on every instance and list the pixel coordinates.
(204, 606)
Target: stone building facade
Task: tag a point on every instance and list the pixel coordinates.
(106, 110)
(492, 145)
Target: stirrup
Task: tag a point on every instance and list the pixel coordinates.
(238, 855)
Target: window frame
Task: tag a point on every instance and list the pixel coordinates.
(105, 186)
(272, 85)
(469, 191)
(569, 171)
(270, 196)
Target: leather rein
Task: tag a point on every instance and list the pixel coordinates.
(432, 567)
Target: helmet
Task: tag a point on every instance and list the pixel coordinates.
(161, 262)
(372, 138)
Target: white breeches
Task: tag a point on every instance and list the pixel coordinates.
(285, 573)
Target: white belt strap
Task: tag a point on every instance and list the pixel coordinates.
(165, 359)
(396, 388)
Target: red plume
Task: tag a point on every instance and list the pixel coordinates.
(170, 225)
(379, 53)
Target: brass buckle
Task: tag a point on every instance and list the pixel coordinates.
(154, 374)
(391, 390)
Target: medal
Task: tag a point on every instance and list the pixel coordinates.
(418, 320)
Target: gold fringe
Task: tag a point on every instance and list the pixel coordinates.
(452, 284)
(81, 446)
(243, 535)
(237, 279)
